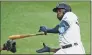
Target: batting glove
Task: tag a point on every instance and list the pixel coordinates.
(44, 49)
(43, 29)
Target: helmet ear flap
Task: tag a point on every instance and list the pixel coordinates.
(64, 11)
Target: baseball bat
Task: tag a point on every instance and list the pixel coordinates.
(24, 36)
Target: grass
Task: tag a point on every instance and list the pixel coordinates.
(27, 17)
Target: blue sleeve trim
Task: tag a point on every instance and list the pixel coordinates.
(63, 27)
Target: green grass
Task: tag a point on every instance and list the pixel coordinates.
(27, 17)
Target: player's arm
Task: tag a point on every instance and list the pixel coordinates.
(48, 30)
(61, 28)
(53, 30)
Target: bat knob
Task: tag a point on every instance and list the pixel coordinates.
(45, 33)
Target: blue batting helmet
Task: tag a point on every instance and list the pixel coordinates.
(64, 6)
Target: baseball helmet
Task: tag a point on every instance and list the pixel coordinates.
(64, 6)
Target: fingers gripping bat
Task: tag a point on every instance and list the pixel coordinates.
(24, 36)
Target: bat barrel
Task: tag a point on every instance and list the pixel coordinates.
(15, 37)
(24, 36)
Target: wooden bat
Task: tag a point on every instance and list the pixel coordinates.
(24, 36)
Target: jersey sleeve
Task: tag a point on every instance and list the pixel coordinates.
(63, 27)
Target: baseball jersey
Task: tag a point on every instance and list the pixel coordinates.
(69, 30)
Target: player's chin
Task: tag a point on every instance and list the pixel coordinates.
(59, 18)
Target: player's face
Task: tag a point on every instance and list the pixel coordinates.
(59, 13)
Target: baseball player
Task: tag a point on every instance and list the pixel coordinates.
(68, 30)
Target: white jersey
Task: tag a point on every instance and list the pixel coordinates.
(72, 34)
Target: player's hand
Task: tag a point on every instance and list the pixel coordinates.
(43, 29)
(44, 49)
(10, 45)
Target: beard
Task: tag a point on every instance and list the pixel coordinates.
(60, 18)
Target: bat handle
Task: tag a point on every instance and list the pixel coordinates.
(45, 33)
(41, 33)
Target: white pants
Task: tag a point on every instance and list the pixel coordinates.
(78, 49)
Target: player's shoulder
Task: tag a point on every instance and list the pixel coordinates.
(70, 15)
